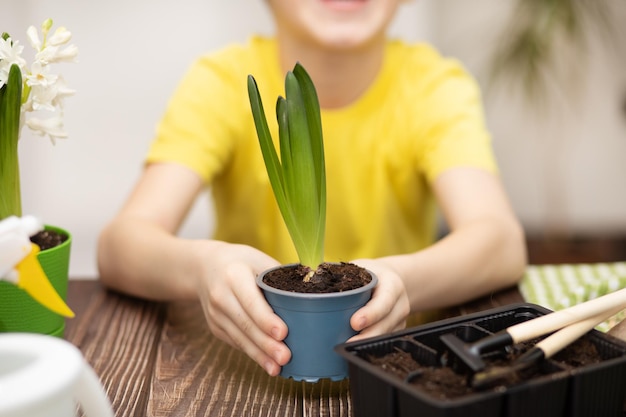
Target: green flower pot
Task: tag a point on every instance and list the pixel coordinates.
(20, 313)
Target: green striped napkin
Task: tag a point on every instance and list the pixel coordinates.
(560, 286)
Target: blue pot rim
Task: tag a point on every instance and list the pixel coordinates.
(259, 280)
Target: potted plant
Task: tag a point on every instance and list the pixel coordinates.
(310, 296)
(34, 260)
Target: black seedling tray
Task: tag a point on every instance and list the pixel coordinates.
(554, 388)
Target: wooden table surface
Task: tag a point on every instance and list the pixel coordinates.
(159, 359)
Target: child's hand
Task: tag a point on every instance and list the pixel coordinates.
(235, 308)
(389, 307)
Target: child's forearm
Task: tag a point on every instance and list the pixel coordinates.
(474, 260)
(139, 258)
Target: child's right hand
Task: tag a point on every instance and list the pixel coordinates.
(234, 306)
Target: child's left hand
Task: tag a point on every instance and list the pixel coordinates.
(389, 307)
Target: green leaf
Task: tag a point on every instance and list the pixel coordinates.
(270, 156)
(312, 108)
(298, 179)
(10, 106)
(274, 168)
(300, 183)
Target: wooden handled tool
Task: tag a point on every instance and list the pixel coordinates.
(470, 353)
(544, 349)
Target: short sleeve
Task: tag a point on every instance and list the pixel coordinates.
(454, 134)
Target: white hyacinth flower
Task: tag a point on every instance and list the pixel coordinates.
(10, 53)
(49, 97)
(32, 87)
(43, 90)
(41, 98)
(53, 54)
(51, 127)
(40, 75)
(62, 92)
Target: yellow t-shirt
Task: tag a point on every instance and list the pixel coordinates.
(422, 115)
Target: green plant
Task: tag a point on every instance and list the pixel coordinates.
(536, 35)
(10, 103)
(298, 178)
(25, 89)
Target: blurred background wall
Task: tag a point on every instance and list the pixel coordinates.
(562, 161)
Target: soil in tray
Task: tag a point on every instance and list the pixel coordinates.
(329, 277)
(579, 354)
(443, 383)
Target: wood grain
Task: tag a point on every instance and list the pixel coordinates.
(161, 360)
(118, 336)
(198, 375)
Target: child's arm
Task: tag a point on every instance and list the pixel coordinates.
(484, 251)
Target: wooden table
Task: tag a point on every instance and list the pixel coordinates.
(159, 359)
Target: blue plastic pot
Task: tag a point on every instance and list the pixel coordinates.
(317, 323)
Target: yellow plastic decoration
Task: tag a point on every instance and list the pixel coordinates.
(33, 280)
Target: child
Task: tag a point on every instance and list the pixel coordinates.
(403, 130)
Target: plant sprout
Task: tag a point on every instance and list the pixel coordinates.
(298, 178)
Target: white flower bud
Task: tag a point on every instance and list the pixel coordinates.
(61, 36)
(33, 38)
(46, 26)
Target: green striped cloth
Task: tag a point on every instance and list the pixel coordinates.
(560, 286)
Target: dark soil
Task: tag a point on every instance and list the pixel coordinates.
(577, 355)
(47, 239)
(329, 277)
(443, 383)
(438, 382)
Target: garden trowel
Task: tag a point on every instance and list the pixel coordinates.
(470, 353)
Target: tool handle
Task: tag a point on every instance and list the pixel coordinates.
(554, 321)
(557, 341)
(546, 348)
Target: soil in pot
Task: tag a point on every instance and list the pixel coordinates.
(47, 239)
(328, 278)
(317, 314)
(443, 383)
